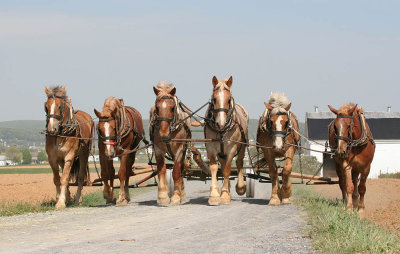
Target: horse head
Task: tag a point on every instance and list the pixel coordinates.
(278, 124)
(343, 127)
(55, 108)
(108, 125)
(165, 108)
(222, 101)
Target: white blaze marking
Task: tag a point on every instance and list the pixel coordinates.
(278, 140)
(107, 134)
(52, 108)
(164, 104)
(221, 115)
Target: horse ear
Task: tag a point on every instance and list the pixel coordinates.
(122, 102)
(269, 107)
(352, 110)
(214, 81)
(288, 106)
(98, 114)
(156, 91)
(333, 110)
(63, 90)
(46, 90)
(173, 91)
(229, 82)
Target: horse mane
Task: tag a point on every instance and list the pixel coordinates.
(109, 105)
(278, 102)
(165, 88)
(222, 84)
(56, 91)
(345, 109)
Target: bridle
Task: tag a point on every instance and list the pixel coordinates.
(172, 120)
(349, 138)
(274, 133)
(108, 140)
(70, 122)
(214, 111)
(352, 142)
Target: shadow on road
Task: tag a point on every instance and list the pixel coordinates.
(256, 201)
(148, 203)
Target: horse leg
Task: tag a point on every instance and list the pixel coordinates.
(286, 189)
(177, 176)
(105, 177)
(342, 181)
(273, 174)
(64, 183)
(214, 198)
(163, 198)
(56, 176)
(83, 160)
(349, 186)
(226, 195)
(122, 179)
(356, 195)
(240, 185)
(131, 161)
(362, 189)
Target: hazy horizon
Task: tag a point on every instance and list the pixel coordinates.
(317, 52)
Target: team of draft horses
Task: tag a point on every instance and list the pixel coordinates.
(120, 130)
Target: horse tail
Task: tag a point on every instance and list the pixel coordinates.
(74, 173)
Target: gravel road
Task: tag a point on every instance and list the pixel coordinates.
(245, 226)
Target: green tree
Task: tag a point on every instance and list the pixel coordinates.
(26, 156)
(13, 153)
(42, 156)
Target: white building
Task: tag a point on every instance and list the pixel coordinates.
(385, 127)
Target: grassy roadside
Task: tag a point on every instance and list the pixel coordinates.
(88, 200)
(334, 230)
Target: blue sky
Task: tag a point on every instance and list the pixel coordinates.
(317, 52)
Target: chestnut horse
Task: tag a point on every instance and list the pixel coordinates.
(168, 120)
(120, 129)
(278, 131)
(353, 143)
(227, 121)
(68, 143)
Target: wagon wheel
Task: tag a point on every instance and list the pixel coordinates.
(170, 182)
(250, 184)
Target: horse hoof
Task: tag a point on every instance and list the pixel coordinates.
(163, 201)
(226, 198)
(286, 201)
(123, 202)
(361, 213)
(60, 206)
(240, 190)
(183, 195)
(274, 202)
(214, 200)
(175, 200)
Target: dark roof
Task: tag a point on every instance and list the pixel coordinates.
(383, 125)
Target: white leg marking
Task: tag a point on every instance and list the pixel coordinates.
(221, 117)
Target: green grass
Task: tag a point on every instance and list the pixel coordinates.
(89, 200)
(390, 175)
(335, 230)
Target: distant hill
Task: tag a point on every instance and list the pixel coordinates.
(24, 124)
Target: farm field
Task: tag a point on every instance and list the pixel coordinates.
(382, 201)
(38, 187)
